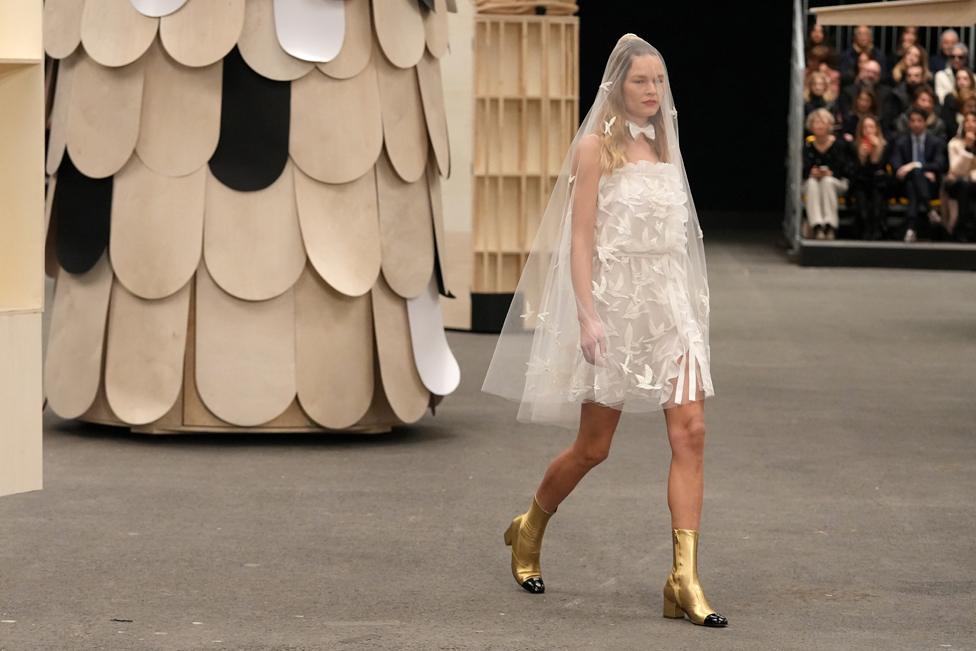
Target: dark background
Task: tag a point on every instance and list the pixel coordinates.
(728, 65)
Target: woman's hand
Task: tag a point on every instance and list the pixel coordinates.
(592, 340)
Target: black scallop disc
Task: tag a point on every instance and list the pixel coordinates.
(429, 4)
(81, 211)
(255, 114)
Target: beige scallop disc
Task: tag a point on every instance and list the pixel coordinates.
(57, 137)
(260, 48)
(406, 231)
(202, 33)
(340, 227)
(103, 116)
(180, 114)
(334, 352)
(432, 94)
(114, 33)
(62, 26)
(51, 266)
(336, 127)
(73, 366)
(401, 382)
(404, 128)
(245, 354)
(400, 31)
(358, 44)
(435, 27)
(157, 229)
(252, 240)
(144, 354)
(440, 237)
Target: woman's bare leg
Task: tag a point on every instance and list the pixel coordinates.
(592, 445)
(686, 434)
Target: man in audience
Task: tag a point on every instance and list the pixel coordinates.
(863, 42)
(868, 78)
(900, 98)
(924, 100)
(940, 59)
(945, 80)
(919, 159)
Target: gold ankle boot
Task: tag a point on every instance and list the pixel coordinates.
(682, 592)
(524, 536)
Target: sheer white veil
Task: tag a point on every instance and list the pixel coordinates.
(543, 322)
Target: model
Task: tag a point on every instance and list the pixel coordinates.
(611, 314)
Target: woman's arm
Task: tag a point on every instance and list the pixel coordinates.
(581, 252)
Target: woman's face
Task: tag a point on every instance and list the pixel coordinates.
(863, 104)
(963, 80)
(643, 86)
(925, 102)
(969, 124)
(819, 127)
(816, 35)
(913, 56)
(869, 127)
(908, 37)
(818, 85)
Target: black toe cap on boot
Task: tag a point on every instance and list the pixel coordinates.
(716, 620)
(534, 585)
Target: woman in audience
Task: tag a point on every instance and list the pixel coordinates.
(825, 173)
(823, 58)
(913, 56)
(818, 94)
(924, 100)
(960, 182)
(869, 180)
(952, 105)
(907, 37)
(865, 104)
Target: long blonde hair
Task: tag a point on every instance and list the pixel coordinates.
(614, 143)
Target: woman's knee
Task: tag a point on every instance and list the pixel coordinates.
(591, 455)
(689, 436)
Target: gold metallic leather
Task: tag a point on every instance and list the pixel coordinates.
(525, 537)
(682, 591)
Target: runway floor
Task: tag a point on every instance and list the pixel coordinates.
(840, 478)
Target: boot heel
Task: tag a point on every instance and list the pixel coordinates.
(671, 610)
(511, 531)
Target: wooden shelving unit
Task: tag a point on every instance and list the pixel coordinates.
(21, 243)
(526, 113)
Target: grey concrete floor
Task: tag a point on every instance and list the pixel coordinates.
(839, 503)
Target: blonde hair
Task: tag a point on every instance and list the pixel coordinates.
(614, 143)
(828, 93)
(820, 114)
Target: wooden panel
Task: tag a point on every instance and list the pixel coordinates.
(114, 33)
(432, 94)
(22, 188)
(340, 228)
(404, 128)
(144, 354)
(336, 126)
(406, 231)
(180, 123)
(407, 395)
(252, 240)
(157, 229)
(260, 48)
(919, 12)
(57, 138)
(73, 366)
(201, 33)
(334, 345)
(245, 354)
(435, 24)
(400, 31)
(62, 26)
(20, 402)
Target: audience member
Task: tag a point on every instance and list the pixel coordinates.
(864, 105)
(947, 41)
(945, 79)
(900, 98)
(863, 42)
(952, 105)
(914, 56)
(869, 179)
(925, 101)
(868, 78)
(825, 172)
(818, 94)
(822, 58)
(918, 159)
(960, 182)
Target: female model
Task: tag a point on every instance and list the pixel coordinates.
(611, 314)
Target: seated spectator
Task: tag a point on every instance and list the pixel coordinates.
(818, 94)
(947, 41)
(868, 78)
(863, 42)
(825, 172)
(864, 105)
(821, 58)
(908, 36)
(900, 99)
(945, 80)
(869, 179)
(919, 159)
(952, 106)
(914, 56)
(960, 182)
(818, 36)
(924, 101)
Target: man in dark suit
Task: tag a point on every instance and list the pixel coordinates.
(863, 42)
(919, 160)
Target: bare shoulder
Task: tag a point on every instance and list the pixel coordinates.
(589, 146)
